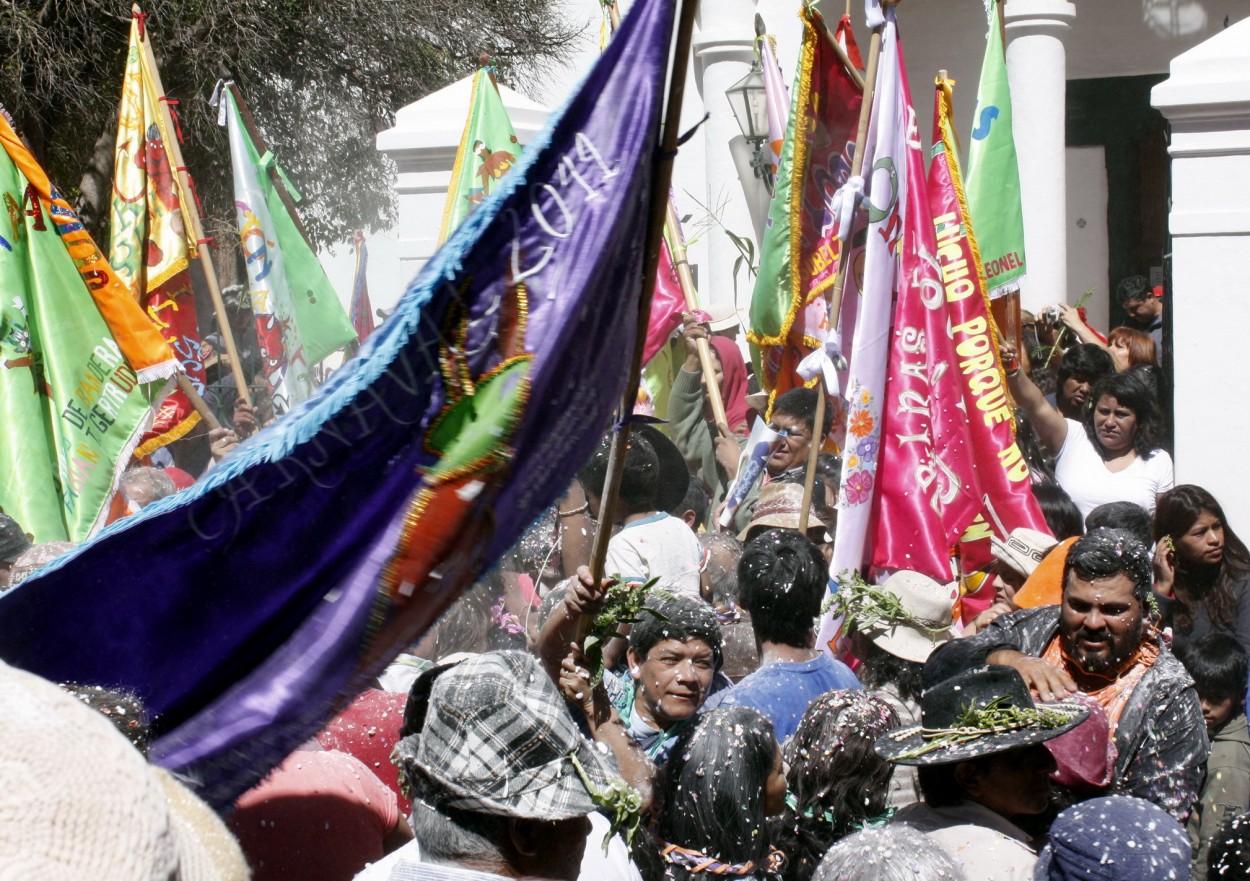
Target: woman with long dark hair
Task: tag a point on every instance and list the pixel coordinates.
(837, 782)
(1201, 564)
(723, 778)
(1115, 453)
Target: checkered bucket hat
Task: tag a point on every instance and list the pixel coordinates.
(492, 735)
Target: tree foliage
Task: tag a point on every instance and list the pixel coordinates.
(322, 78)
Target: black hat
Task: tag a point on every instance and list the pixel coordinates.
(13, 541)
(674, 477)
(977, 713)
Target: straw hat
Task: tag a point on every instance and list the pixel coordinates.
(1023, 550)
(926, 626)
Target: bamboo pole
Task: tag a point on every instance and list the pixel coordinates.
(677, 248)
(192, 216)
(839, 283)
(659, 198)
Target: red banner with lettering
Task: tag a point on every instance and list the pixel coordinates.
(1003, 474)
(929, 492)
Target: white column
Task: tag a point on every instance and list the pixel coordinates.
(723, 50)
(1207, 102)
(1037, 71)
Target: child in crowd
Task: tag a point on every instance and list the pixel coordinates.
(1219, 667)
(651, 543)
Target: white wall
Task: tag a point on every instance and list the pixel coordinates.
(1207, 102)
(1087, 230)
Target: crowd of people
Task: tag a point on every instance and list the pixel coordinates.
(678, 719)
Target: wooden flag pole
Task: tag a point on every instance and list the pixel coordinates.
(678, 250)
(192, 216)
(852, 71)
(839, 282)
(677, 247)
(655, 228)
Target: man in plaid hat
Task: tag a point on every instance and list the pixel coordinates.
(502, 782)
(12, 542)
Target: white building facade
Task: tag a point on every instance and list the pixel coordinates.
(1095, 171)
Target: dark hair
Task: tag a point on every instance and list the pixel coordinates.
(801, 404)
(1218, 665)
(1135, 287)
(1061, 513)
(1041, 463)
(1215, 587)
(1085, 362)
(1130, 391)
(713, 787)
(782, 579)
(938, 786)
(682, 618)
(123, 708)
(639, 476)
(1229, 856)
(1130, 517)
(695, 500)
(880, 668)
(1105, 553)
(837, 779)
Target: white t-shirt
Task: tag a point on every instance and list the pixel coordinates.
(658, 546)
(1083, 475)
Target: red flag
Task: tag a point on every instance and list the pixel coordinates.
(928, 487)
(800, 252)
(1003, 474)
(846, 39)
(667, 304)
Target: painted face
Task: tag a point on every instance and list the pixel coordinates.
(673, 680)
(1115, 426)
(1073, 395)
(1203, 544)
(775, 787)
(1014, 782)
(1216, 712)
(792, 450)
(1100, 621)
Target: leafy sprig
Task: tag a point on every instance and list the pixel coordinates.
(623, 604)
(619, 800)
(867, 606)
(974, 723)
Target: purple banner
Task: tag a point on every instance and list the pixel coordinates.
(246, 610)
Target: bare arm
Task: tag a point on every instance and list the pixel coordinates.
(1071, 318)
(561, 626)
(1051, 427)
(576, 528)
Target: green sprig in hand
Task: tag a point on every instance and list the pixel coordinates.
(624, 603)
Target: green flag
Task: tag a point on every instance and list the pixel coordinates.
(993, 180)
(299, 318)
(488, 148)
(72, 406)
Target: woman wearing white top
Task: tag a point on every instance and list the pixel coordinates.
(1113, 454)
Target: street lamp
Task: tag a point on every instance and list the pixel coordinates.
(750, 108)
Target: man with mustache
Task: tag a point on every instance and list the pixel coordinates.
(1098, 641)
